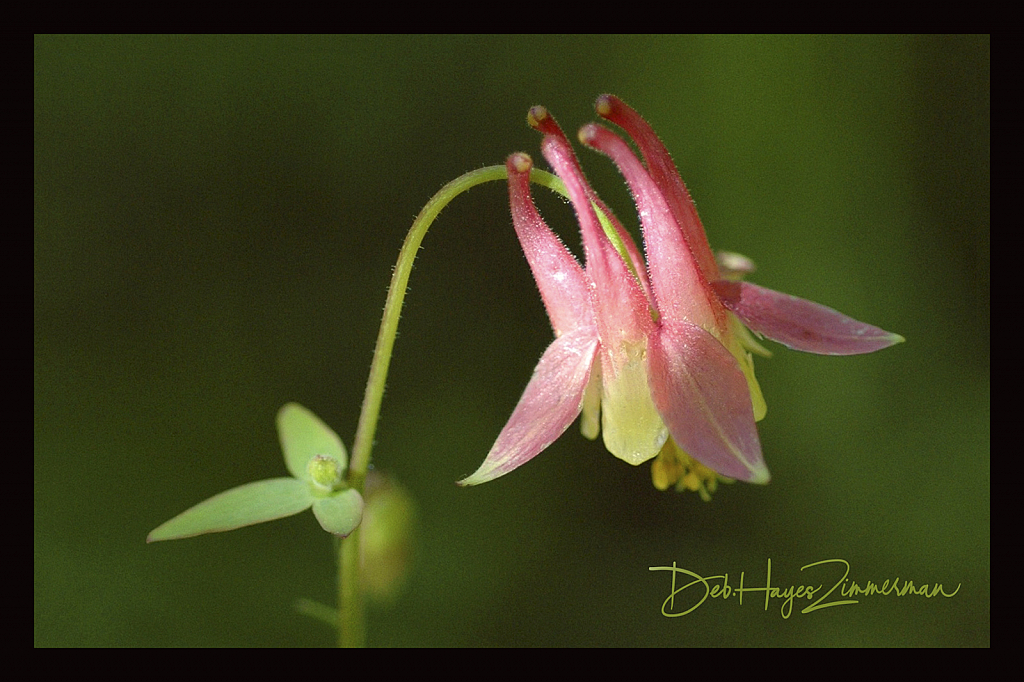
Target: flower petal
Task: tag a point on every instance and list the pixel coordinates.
(704, 399)
(541, 120)
(590, 414)
(551, 402)
(681, 290)
(245, 505)
(622, 307)
(801, 324)
(665, 175)
(633, 429)
(562, 282)
(734, 266)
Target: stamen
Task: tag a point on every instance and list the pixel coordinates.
(673, 467)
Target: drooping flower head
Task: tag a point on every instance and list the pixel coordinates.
(657, 348)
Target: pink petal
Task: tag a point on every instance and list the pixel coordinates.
(801, 324)
(562, 282)
(541, 120)
(703, 397)
(666, 177)
(622, 308)
(551, 402)
(680, 289)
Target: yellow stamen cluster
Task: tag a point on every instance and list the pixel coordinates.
(673, 466)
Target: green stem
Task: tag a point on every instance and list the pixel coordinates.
(351, 625)
(351, 621)
(396, 296)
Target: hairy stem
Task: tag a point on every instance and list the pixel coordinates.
(351, 625)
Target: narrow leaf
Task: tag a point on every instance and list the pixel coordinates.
(245, 505)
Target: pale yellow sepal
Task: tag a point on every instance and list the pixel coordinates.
(741, 342)
(633, 430)
(590, 415)
(747, 339)
(756, 397)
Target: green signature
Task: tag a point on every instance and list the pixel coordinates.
(836, 570)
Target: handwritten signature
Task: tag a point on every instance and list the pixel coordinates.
(718, 587)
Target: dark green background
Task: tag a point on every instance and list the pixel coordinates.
(216, 219)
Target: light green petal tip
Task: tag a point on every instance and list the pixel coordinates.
(303, 436)
(340, 513)
(759, 475)
(245, 505)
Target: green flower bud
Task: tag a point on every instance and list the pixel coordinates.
(387, 529)
(325, 472)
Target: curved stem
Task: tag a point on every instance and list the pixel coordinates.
(351, 624)
(367, 427)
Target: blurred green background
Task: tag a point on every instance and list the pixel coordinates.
(216, 219)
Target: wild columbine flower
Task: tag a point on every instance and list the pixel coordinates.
(660, 350)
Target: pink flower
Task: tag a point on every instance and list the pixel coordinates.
(659, 350)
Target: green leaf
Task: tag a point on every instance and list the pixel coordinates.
(245, 505)
(341, 512)
(303, 436)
